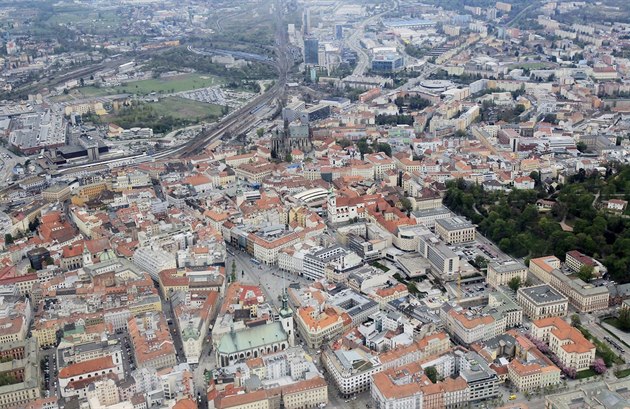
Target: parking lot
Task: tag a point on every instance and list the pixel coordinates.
(50, 373)
(218, 96)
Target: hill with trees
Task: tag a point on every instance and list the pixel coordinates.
(512, 220)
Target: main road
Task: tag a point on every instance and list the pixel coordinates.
(353, 43)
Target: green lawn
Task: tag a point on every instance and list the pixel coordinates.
(380, 266)
(163, 116)
(587, 373)
(623, 373)
(186, 108)
(178, 83)
(532, 65)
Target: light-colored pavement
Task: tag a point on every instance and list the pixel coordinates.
(6, 172)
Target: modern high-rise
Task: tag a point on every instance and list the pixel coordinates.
(338, 32)
(306, 21)
(311, 51)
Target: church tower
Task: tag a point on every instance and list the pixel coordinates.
(286, 318)
(87, 256)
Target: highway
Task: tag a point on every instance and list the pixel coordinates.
(353, 43)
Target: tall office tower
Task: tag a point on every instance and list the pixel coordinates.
(311, 50)
(338, 32)
(306, 21)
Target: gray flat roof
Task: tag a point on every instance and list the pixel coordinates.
(508, 266)
(454, 223)
(543, 294)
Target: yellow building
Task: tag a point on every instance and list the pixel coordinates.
(569, 345)
(531, 375)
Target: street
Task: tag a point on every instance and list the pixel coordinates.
(7, 161)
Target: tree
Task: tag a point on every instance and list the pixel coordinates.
(431, 373)
(586, 273)
(363, 147)
(481, 262)
(624, 319)
(581, 146)
(515, 283)
(406, 204)
(288, 158)
(599, 366)
(385, 148)
(8, 239)
(233, 275)
(575, 320)
(260, 132)
(344, 143)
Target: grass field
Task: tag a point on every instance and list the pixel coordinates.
(623, 373)
(163, 116)
(586, 373)
(178, 83)
(532, 65)
(186, 109)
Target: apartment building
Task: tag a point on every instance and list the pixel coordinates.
(481, 323)
(500, 274)
(529, 375)
(316, 327)
(455, 230)
(26, 370)
(151, 340)
(308, 393)
(573, 350)
(483, 382)
(352, 369)
(71, 376)
(542, 301)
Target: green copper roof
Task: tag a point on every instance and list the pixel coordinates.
(250, 338)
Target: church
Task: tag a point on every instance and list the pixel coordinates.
(259, 340)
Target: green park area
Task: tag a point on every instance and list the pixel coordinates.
(163, 116)
(176, 83)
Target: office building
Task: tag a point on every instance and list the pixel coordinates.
(311, 51)
(584, 297)
(455, 230)
(500, 274)
(338, 32)
(444, 261)
(542, 301)
(388, 63)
